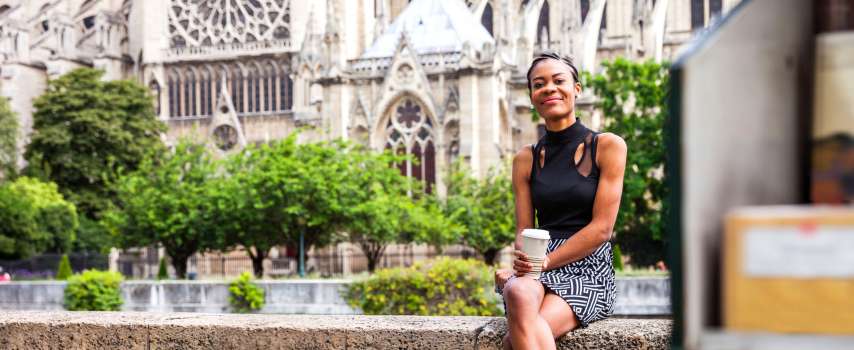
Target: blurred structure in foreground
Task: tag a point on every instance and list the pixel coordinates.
(760, 147)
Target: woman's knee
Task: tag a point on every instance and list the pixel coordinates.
(522, 291)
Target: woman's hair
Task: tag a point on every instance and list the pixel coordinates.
(548, 54)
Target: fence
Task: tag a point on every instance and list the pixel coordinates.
(336, 261)
(44, 266)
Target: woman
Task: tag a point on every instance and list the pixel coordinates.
(573, 179)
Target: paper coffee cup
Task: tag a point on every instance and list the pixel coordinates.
(535, 242)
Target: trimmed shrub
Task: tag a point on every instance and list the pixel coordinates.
(162, 271)
(64, 269)
(94, 290)
(244, 295)
(618, 258)
(439, 287)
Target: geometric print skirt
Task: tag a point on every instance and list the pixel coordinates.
(586, 285)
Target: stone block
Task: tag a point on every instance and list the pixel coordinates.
(142, 330)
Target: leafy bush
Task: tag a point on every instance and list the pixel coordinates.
(440, 287)
(64, 269)
(162, 271)
(94, 290)
(245, 295)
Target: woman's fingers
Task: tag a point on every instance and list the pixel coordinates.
(521, 266)
(501, 277)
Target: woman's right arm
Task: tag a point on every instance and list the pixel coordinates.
(521, 175)
(524, 208)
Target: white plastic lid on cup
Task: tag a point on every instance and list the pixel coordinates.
(536, 233)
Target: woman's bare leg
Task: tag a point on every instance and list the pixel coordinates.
(558, 315)
(526, 329)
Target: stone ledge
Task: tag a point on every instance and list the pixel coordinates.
(143, 330)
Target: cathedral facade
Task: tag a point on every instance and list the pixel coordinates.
(439, 79)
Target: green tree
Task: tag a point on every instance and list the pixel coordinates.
(377, 205)
(632, 98)
(484, 207)
(8, 140)
(167, 201)
(34, 218)
(20, 236)
(162, 270)
(64, 269)
(321, 190)
(55, 217)
(85, 130)
(428, 224)
(254, 198)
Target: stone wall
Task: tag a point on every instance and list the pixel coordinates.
(139, 330)
(636, 296)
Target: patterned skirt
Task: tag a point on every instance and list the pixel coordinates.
(586, 285)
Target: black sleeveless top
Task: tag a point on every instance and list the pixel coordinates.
(562, 192)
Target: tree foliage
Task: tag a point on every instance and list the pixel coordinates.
(632, 97)
(166, 201)
(484, 207)
(162, 269)
(34, 218)
(8, 140)
(253, 199)
(55, 217)
(63, 272)
(85, 130)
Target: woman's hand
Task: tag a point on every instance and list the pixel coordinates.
(501, 278)
(521, 264)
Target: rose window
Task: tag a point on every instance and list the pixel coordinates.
(216, 22)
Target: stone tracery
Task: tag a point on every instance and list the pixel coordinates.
(410, 131)
(216, 22)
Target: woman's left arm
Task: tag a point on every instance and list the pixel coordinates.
(611, 159)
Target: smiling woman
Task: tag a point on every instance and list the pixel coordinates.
(572, 180)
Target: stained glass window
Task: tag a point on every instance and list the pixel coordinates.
(410, 131)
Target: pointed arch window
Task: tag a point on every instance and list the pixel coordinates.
(543, 35)
(270, 88)
(698, 13)
(189, 95)
(286, 92)
(250, 91)
(486, 19)
(585, 7)
(237, 89)
(154, 87)
(207, 93)
(174, 85)
(257, 95)
(410, 131)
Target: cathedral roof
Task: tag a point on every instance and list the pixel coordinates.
(432, 26)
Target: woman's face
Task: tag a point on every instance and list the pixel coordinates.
(553, 90)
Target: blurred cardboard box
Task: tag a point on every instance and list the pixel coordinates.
(789, 269)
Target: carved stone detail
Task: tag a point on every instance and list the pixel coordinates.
(217, 22)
